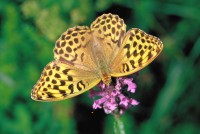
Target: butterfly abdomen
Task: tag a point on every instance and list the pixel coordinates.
(106, 78)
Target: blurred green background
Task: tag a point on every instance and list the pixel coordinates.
(168, 89)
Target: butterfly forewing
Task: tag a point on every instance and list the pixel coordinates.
(74, 47)
(109, 30)
(60, 81)
(137, 51)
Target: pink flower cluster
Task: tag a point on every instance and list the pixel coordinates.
(112, 98)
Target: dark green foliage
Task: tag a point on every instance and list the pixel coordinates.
(168, 89)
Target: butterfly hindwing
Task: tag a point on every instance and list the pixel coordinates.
(138, 49)
(61, 81)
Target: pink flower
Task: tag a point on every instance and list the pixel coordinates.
(112, 98)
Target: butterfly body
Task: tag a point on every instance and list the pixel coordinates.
(85, 56)
(106, 78)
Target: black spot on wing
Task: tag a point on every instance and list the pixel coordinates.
(54, 81)
(62, 83)
(65, 71)
(57, 75)
(125, 67)
(140, 61)
(70, 78)
(80, 85)
(128, 55)
(132, 64)
(127, 46)
(63, 92)
(50, 95)
(56, 87)
(71, 87)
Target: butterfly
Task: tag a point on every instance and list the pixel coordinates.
(85, 56)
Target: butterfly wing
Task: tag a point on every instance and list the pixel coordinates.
(74, 47)
(74, 70)
(109, 30)
(138, 49)
(61, 81)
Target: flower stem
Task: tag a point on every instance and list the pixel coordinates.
(118, 125)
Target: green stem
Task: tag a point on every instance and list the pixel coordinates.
(118, 125)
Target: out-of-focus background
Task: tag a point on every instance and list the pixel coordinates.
(168, 89)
